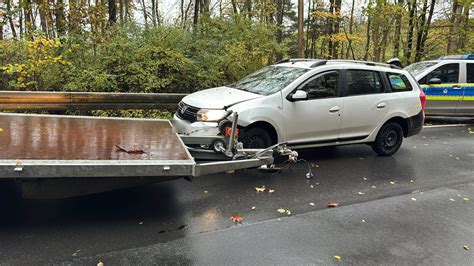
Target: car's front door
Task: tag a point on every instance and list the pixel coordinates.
(365, 104)
(466, 106)
(442, 99)
(314, 120)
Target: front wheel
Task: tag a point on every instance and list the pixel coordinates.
(256, 138)
(388, 140)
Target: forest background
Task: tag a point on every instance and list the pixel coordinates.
(189, 45)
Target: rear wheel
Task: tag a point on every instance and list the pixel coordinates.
(388, 140)
(256, 138)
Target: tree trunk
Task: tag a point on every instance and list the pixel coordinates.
(60, 18)
(336, 28)
(197, 4)
(29, 25)
(351, 23)
(330, 27)
(234, 6)
(279, 20)
(367, 37)
(10, 19)
(398, 31)
(112, 12)
(300, 29)
(411, 24)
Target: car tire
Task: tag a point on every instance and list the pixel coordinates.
(256, 138)
(389, 139)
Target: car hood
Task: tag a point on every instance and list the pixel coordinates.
(218, 98)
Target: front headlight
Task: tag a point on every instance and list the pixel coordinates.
(209, 115)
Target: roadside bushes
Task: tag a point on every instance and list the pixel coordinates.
(134, 59)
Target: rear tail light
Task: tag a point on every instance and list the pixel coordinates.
(422, 99)
(228, 131)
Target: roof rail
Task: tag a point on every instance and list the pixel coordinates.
(368, 63)
(294, 60)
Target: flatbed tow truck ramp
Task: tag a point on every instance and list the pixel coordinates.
(62, 156)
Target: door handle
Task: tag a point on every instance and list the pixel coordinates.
(335, 109)
(456, 87)
(381, 105)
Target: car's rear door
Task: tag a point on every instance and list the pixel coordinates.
(442, 99)
(365, 104)
(466, 106)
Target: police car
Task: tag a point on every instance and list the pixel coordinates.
(448, 83)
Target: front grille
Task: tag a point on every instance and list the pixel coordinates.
(187, 112)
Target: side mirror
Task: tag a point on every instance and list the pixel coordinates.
(434, 81)
(299, 95)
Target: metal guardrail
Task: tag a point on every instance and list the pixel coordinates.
(59, 101)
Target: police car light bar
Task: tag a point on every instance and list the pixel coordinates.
(457, 57)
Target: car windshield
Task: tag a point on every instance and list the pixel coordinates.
(419, 67)
(269, 79)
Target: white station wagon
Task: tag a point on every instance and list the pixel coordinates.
(311, 103)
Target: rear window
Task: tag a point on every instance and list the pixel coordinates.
(399, 82)
(470, 72)
(361, 82)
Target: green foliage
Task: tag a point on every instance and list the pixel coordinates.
(130, 58)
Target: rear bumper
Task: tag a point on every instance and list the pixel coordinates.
(415, 124)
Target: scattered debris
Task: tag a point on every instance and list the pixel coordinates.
(271, 190)
(451, 199)
(466, 199)
(457, 158)
(309, 175)
(1, 129)
(363, 221)
(253, 207)
(311, 186)
(205, 191)
(373, 187)
(138, 151)
(230, 172)
(413, 199)
(337, 257)
(466, 247)
(288, 212)
(360, 193)
(365, 178)
(392, 182)
(411, 181)
(331, 204)
(281, 210)
(236, 218)
(140, 223)
(260, 189)
(100, 263)
(75, 253)
(317, 184)
(312, 204)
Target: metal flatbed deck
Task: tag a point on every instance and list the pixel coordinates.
(44, 146)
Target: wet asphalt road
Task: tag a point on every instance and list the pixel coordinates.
(52, 231)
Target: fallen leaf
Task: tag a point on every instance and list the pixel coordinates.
(100, 263)
(373, 187)
(413, 199)
(288, 212)
(75, 253)
(311, 186)
(457, 158)
(312, 204)
(317, 166)
(1, 129)
(205, 191)
(317, 184)
(337, 257)
(363, 221)
(466, 247)
(392, 182)
(253, 207)
(331, 204)
(237, 218)
(271, 190)
(451, 199)
(138, 151)
(411, 181)
(466, 199)
(361, 193)
(281, 210)
(140, 223)
(260, 189)
(365, 178)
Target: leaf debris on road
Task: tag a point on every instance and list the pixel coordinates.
(413, 199)
(260, 189)
(466, 247)
(360, 193)
(337, 257)
(236, 218)
(312, 204)
(392, 182)
(451, 199)
(271, 190)
(331, 204)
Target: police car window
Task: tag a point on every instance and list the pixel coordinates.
(363, 82)
(447, 74)
(470, 72)
(399, 82)
(322, 86)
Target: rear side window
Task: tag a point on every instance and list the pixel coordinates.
(447, 74)
(399, 82)
(361, 82)
(470, 72)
